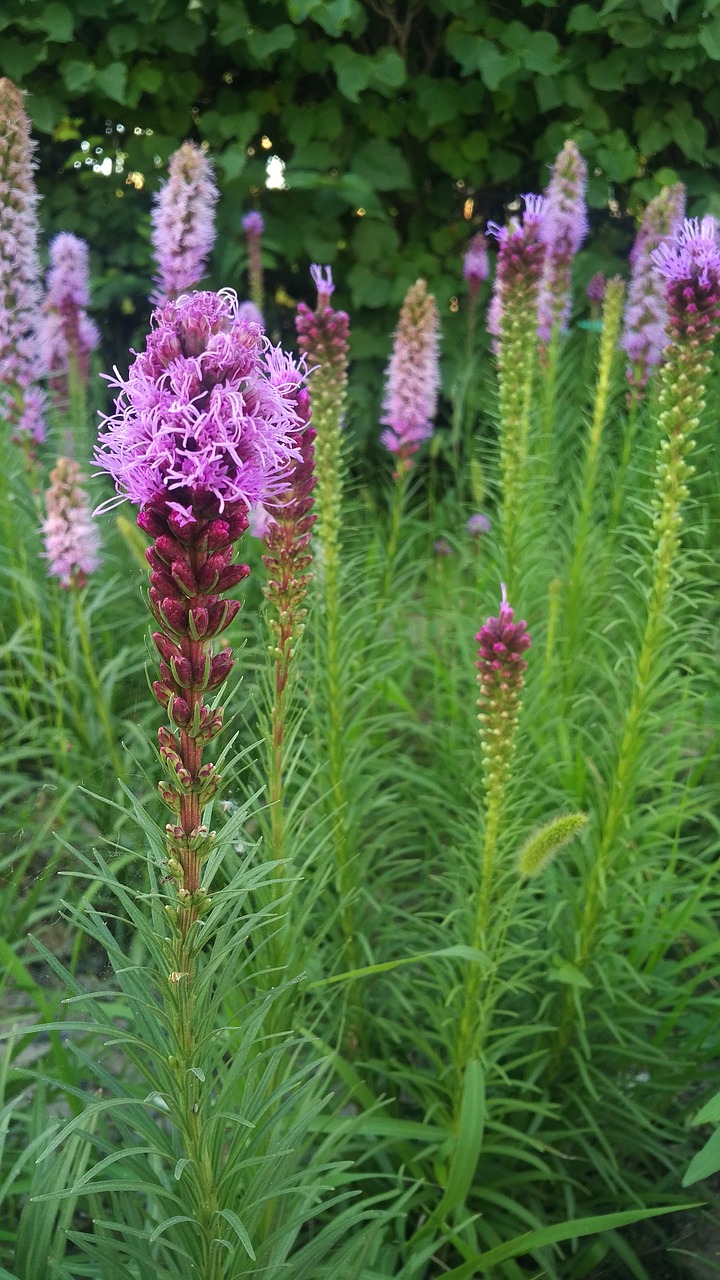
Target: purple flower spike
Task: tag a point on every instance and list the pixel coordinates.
(21, 403)
(566, 227)
(521, 256)
(412, 376)
(207, 414)
(71, 538)
(690, 264)
(644, 330)
(183, 222)
(67, 334)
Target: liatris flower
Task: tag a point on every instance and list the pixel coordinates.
(644, 330)
(566, 227)
(501, 670)
(513, 316)
(183, 222)
(67, 334)
(253, 225)
(206, 423)
(690, 266)
(21, 403)
(412, 377)
(71, 540)
(323, 338)
(476, 267)
(478, 524)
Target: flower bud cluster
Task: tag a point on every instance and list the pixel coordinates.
(501, 669)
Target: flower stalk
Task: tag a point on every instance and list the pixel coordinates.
(514, 320)
(501, 670)
(690, 265)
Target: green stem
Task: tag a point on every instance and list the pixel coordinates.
(101, 706)
(397, 509)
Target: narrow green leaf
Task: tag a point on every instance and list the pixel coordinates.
(573, 1230)
(232, 1218)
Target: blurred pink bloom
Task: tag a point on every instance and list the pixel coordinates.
(71, 539)
(183, 222)
(412, 378)
(645, 324)
(21, 402)
(66, 331)
(478, 524)
(566, 227)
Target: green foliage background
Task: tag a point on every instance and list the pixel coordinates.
(428, 116)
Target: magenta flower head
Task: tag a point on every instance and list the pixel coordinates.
(21, 403)
(71, 538)
(206, 416)
(566, 227)
(67, 334)
(501, 670)
(690, 265)
(183, 222)
(412, 378)
(476, 266)
(520, 261)
(644, 330)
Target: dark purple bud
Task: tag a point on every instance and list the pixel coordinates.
(162, 693)
(231, 576)
(179, 711)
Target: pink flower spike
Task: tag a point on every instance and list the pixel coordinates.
(71, 539)
(66, 333)
(645, 323)
(566, 226)
(183, 222)
(21, 402)
(412, 376)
